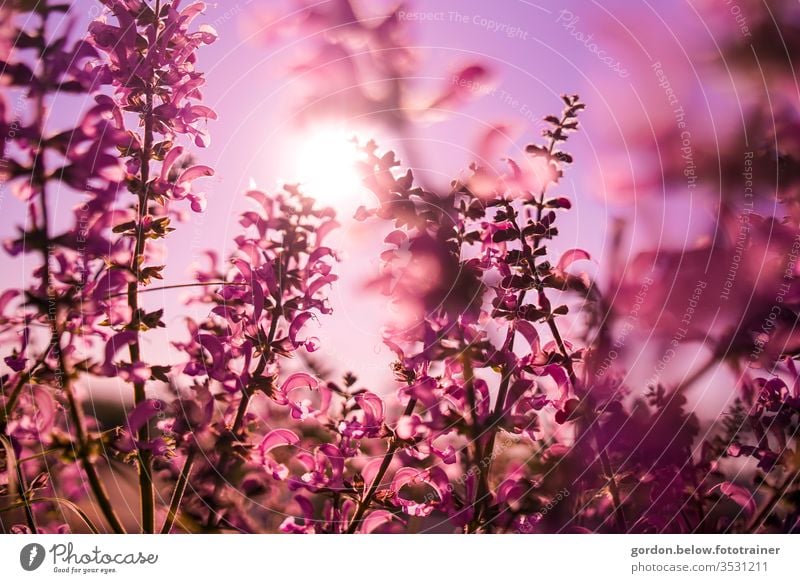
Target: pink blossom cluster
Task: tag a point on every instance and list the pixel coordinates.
(509, 413)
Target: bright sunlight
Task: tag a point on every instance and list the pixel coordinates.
(325, 165)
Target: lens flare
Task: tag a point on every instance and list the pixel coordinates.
(325, 166)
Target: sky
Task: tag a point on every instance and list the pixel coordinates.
(618, 58)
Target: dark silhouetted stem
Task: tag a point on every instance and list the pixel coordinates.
(183, 285)
(482, 495)
(146, 489)
(241, 411)
(605, 462)
(64, 375)
(177, 493)
(11, 402)
(363, 506)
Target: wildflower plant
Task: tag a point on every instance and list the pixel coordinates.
(508, 414)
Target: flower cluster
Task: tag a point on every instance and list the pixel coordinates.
(268, 301)
(85, 291)
(48, 333)
(510, 410)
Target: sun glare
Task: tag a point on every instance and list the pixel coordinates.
(325, 166)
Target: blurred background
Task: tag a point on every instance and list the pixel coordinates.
(692, 117)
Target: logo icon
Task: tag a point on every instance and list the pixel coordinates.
(31, 556)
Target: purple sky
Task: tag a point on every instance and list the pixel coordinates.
(536, 51)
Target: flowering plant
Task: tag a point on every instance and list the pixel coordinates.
(510, 411)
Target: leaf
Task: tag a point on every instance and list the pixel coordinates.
(160, 372)
(148, 273)
(558, 203)
(161, 149)
(535, 150)
(122, 227)
(61, 502)
(153, 319)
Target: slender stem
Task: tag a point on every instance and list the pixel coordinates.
(363, 506)
(147, 494)
(337, 512)
(11, 402)
(146, 488)
(92, 476)
(602, 455)
(182, 285)
(46, 452)
(29, 517)
(241, 411)
(177, 494)
(64, 375)
(502, 394)
(495, 417)
(478, 462)
(695, 376)
(65, 380)
(213, 516)
(61, 502)
(20, 490)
